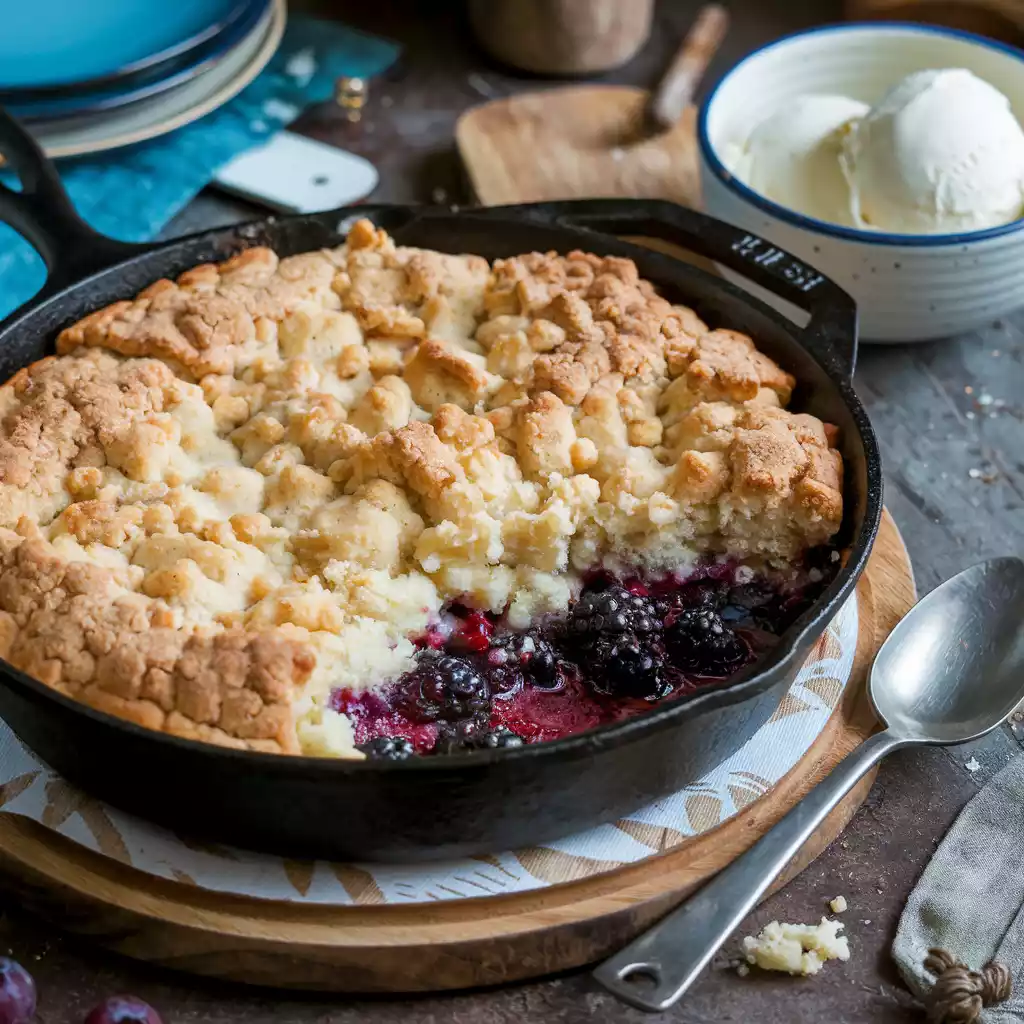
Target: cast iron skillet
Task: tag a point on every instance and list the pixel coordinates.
(495, 800)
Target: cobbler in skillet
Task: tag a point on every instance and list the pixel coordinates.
(381, 501)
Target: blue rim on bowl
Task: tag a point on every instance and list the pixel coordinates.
(800, 220)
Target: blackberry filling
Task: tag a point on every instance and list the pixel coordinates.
(617, 649)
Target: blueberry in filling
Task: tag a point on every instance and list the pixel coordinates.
(388, 748)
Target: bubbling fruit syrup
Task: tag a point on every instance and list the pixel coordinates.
(622, 647)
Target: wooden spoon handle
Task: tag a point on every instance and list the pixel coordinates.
(676, 89)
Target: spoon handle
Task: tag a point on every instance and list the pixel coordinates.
(657, 969)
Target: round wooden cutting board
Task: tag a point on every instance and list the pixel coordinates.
(445, 945)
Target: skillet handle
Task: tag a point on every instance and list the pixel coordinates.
(831, 334)
(43, 214)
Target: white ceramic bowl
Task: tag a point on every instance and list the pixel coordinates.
(908, 287)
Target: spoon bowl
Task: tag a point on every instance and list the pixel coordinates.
(953, 669)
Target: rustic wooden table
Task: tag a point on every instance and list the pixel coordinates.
(951, 424)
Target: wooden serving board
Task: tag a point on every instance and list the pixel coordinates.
(576, 142)
(449, 945)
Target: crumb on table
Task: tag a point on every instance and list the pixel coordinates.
(797, 948)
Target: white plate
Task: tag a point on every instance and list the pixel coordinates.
(161, 114)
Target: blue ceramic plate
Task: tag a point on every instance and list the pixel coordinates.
(147, 119)
(51, 48)
(131, 89)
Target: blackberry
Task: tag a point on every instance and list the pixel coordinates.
(707, 593)
(627, 666)
(752, 596)
(754, 604)
(609, 613)
(500, 738)
(699, 641)
(463, 737)
(388, 748)
(522, 655)
(449, 687)
(504, 675)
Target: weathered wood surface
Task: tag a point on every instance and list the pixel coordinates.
(949, 518)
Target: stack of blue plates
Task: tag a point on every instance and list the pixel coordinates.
(86, 76)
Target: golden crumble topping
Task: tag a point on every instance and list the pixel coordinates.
(243, 489)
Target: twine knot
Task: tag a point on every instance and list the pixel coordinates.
(960, 994)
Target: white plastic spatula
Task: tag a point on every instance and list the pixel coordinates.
(293, 174)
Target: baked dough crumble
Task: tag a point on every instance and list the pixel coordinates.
(239, 491)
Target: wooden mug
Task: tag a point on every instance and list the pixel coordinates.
(562, 37)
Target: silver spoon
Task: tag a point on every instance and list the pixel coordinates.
(950, 672)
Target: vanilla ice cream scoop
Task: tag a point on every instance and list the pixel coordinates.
(940, 153)
(792, 157)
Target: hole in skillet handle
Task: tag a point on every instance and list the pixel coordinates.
(640, 984)
(831, 333)
(643, 977)
(42, 213)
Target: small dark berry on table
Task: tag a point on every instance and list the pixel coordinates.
(17, 993)
(123, 1010)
